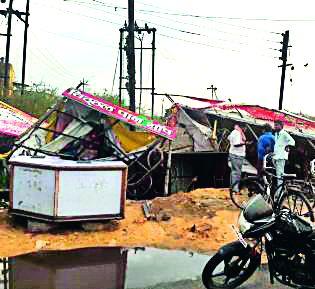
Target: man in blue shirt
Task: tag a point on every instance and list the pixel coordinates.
(265, 145)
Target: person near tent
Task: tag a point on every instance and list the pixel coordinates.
(283, 142)
(237, 153)
(265, 145)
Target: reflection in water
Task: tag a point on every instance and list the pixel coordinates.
(102, 268)
(4, 281)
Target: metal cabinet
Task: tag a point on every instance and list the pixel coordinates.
(54, 189)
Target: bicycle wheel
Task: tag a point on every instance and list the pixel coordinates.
(248, 188)
(297, 203)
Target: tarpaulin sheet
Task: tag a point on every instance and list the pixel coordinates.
(257, 114)
(132, 140)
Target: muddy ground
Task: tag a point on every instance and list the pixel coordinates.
(199, 221)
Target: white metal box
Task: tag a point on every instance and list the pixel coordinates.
(54, 189)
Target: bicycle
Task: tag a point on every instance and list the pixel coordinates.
(307, 186)
(288, 196)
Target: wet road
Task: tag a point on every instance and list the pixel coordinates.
(113, 268)
(261, 280)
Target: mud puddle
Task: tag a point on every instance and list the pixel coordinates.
(104, 268)
(113, 268)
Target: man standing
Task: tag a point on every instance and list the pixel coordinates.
(283, 141)
(237, 154)
(265, 145)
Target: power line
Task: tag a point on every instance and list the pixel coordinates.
(201, 26)
(172, 37)
(176, 29)
(210, 45)
(212, 20)
(245, 27)
(114, 77)
(82, 15)
(201, 35)
(164, 26)
(51, 56)
(37, 57)
(116, 7)
(77, 39)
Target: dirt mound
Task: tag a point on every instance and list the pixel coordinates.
(199, 221)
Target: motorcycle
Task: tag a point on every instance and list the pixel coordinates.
(287, 239)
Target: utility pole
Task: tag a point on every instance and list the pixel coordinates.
(284, 50)
(153, 72)
(9, 12)
(122, 48)
(7, 49)
(84, 83)
(213, 91)
(131, 56)
(27, 8)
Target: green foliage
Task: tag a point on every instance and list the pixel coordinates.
(3, 176)
(34, 101)
(3, 181)
(111, 98)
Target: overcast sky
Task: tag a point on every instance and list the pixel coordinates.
(234, 46)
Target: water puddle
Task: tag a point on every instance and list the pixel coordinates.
(104, 268)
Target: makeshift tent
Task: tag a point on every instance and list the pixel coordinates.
(202, 141)
(85, 127)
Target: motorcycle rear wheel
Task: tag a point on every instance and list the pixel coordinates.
(229, 268)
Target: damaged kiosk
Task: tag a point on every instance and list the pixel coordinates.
(72, 163)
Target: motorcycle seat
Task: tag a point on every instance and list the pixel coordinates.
(257, 209)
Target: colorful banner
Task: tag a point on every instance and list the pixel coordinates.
(290, 121)
(120, 113)
(13, 122)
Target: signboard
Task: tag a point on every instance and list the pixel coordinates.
(13, 122)
(120, 113)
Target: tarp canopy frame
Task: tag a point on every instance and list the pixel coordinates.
(139, 166)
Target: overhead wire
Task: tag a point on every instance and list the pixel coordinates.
(80, 14)
(77, 39)
(164, 26)
(202, 26)
(168, 27)
(102, 3)
(56, 62)
(114, 77)
(174, 29)
(152, 12)
(213, 46)
(42, 61)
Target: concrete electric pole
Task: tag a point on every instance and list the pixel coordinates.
(131, 56)
(284, 50)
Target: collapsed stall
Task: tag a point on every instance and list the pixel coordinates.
(200, 150)
(84, 127)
